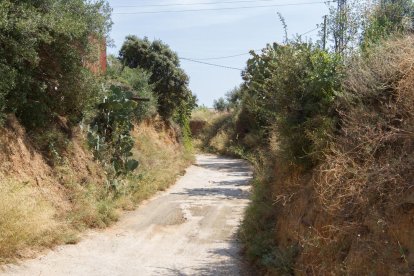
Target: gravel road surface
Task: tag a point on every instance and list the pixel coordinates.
(188, 230)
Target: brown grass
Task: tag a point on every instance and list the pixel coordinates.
(365, 184)
(26, 220)
(162, 160)
(352, 215)
(43, 205)
(371, 161)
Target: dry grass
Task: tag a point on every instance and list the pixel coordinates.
(365, 184)
(371, 161)
(161, 161)
(205, 114)
(52, 205)
(353, 214)
(26, 220)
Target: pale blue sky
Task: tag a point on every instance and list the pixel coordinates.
(199, 35)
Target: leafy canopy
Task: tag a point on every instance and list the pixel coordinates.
(169, 80)
(44, 45)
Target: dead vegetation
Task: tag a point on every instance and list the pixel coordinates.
(353, 214)
(370, 162)
(43, 204)
(27, 219)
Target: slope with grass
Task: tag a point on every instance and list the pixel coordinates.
(187, 230)
(43, 204)
(351, 211)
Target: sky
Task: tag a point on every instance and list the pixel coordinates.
(201, 35)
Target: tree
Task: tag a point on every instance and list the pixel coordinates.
(291, 89)
(388, 17)
(220, 105)
(234, 97)
(169, 80)
(44, 46)
(137, 81)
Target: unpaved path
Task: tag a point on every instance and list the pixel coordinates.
(188, 230)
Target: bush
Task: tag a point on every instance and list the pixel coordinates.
(387, 19)
(45, 46)
(371, 158)
(138, 82)
(297, 100)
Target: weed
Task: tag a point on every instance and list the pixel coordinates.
(26, 219)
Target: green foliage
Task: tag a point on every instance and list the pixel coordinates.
(296, 100)
(220, 105)
(110, 135)
(169, 80)
(387, 18)
(43, 49)
(231, 102)
(138, 80)
(234, 97)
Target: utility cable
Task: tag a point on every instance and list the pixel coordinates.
(211, 64)
(222, 9)
(192, 4)
(244, 54)
(224, 57)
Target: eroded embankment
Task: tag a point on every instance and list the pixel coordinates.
(188, 230)
(43, 204)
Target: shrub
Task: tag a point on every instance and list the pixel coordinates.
(371, 159)
(138, 80)
(297, 100)
(45, 45)
(387, 19)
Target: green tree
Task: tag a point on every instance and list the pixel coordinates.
(386, 18)
(137, 81)
(169, 80)
(44, 46)
(220, 105)
(234, 97)
(292, 88)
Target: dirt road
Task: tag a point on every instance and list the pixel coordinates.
(188, 230)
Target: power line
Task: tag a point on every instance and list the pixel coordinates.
(223, 57)
(212, 64)
(243, 54)
(222, 9)
(192, 4)
(317, 28)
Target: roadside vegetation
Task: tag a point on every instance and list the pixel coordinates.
(78, 144)
(330, 133)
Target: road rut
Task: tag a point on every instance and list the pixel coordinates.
(188, 230)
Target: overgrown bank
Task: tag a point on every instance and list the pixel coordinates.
(79, 143)
(331, 137)
(43, 205)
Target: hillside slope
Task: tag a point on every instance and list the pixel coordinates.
(43, 204)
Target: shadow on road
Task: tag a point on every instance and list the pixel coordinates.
(237, 166)
(225, 267)
(228, 193)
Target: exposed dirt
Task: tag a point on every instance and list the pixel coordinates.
(188, 230)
